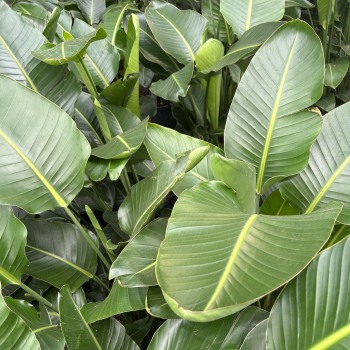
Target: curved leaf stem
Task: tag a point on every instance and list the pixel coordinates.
(86, 77)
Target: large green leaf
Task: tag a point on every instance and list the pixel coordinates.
(319, 298)
(92, 10)
(335, 72)
(49, 335)
(13, 260)
(215, 259)
(246, 45)
(227, 333)
(68, 50)
(325, 9)
(135, 265)
(14, 333)
(59, 254)
(242, 15)
(256, 338)
(177, 84)
(18, 38)
(326, 177)
(177, 31)
(40, 168)
(157, 306)
(146, 195)
(119, 300)
(267, 125)
(164, 144)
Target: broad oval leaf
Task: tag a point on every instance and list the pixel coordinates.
(13, 260)
(177, 31)
(135, 265)
(267, 125)
(14, 333)
(227, 333)
(18, 38)
(244, 14)
(59, 254)
(146, 195)
(43, 154)
(326, 177)
(335, 72)
(319, 298)
(164, 144)
(215, 259)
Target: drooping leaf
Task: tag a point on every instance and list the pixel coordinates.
(227, 333)
(164, 144)
(68, 50)
(92, 10)
(275, 204)
(135, 265)
(50, 174)
(326, 177)
(246, 45)
(49, 335)
(119, 300)
(242, 15)
(177, 84)
(14, 333)
(123, 145)
(240, 177)
(177, 31)
(267, 125)
(256, 338)
(13, 260)
(319, 298)
(59, 254)
(18, 39)
(134, 213)
(335, 72)
(248, 257)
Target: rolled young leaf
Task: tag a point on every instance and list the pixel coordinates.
(14, 333)
(215, 260)
(326, 177)
(267, 125)
(242, 15)
(319, 300)
(44, 145)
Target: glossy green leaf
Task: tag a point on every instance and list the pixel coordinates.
(92, 10)
(132, 61)
(157, 306)
(123, 145)
(267, 125)
(14, 333)
(119, 300)
(68, 50)
(13, 260)
(135, 265)
(227, 333)
(275, 204)
(208, 54)
(177, 31)
(59, 254)
(164, 144)
(176, 85)
(301, 3)
(49, 335)
(51, 26)
(146, 195)
(319, 298)
(335, 72)
(242, 15)
(239, 176)
(245, 46)
(325, 9)
(18, 38)
(256, 338)
(326, 177)
(50, 174)
(248, 257)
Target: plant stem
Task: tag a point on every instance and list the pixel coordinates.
(97, 193)
(124, 177)
(86, 77)
(38, 297)
(88, 238)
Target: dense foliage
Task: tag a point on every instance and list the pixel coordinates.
(174, 175)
